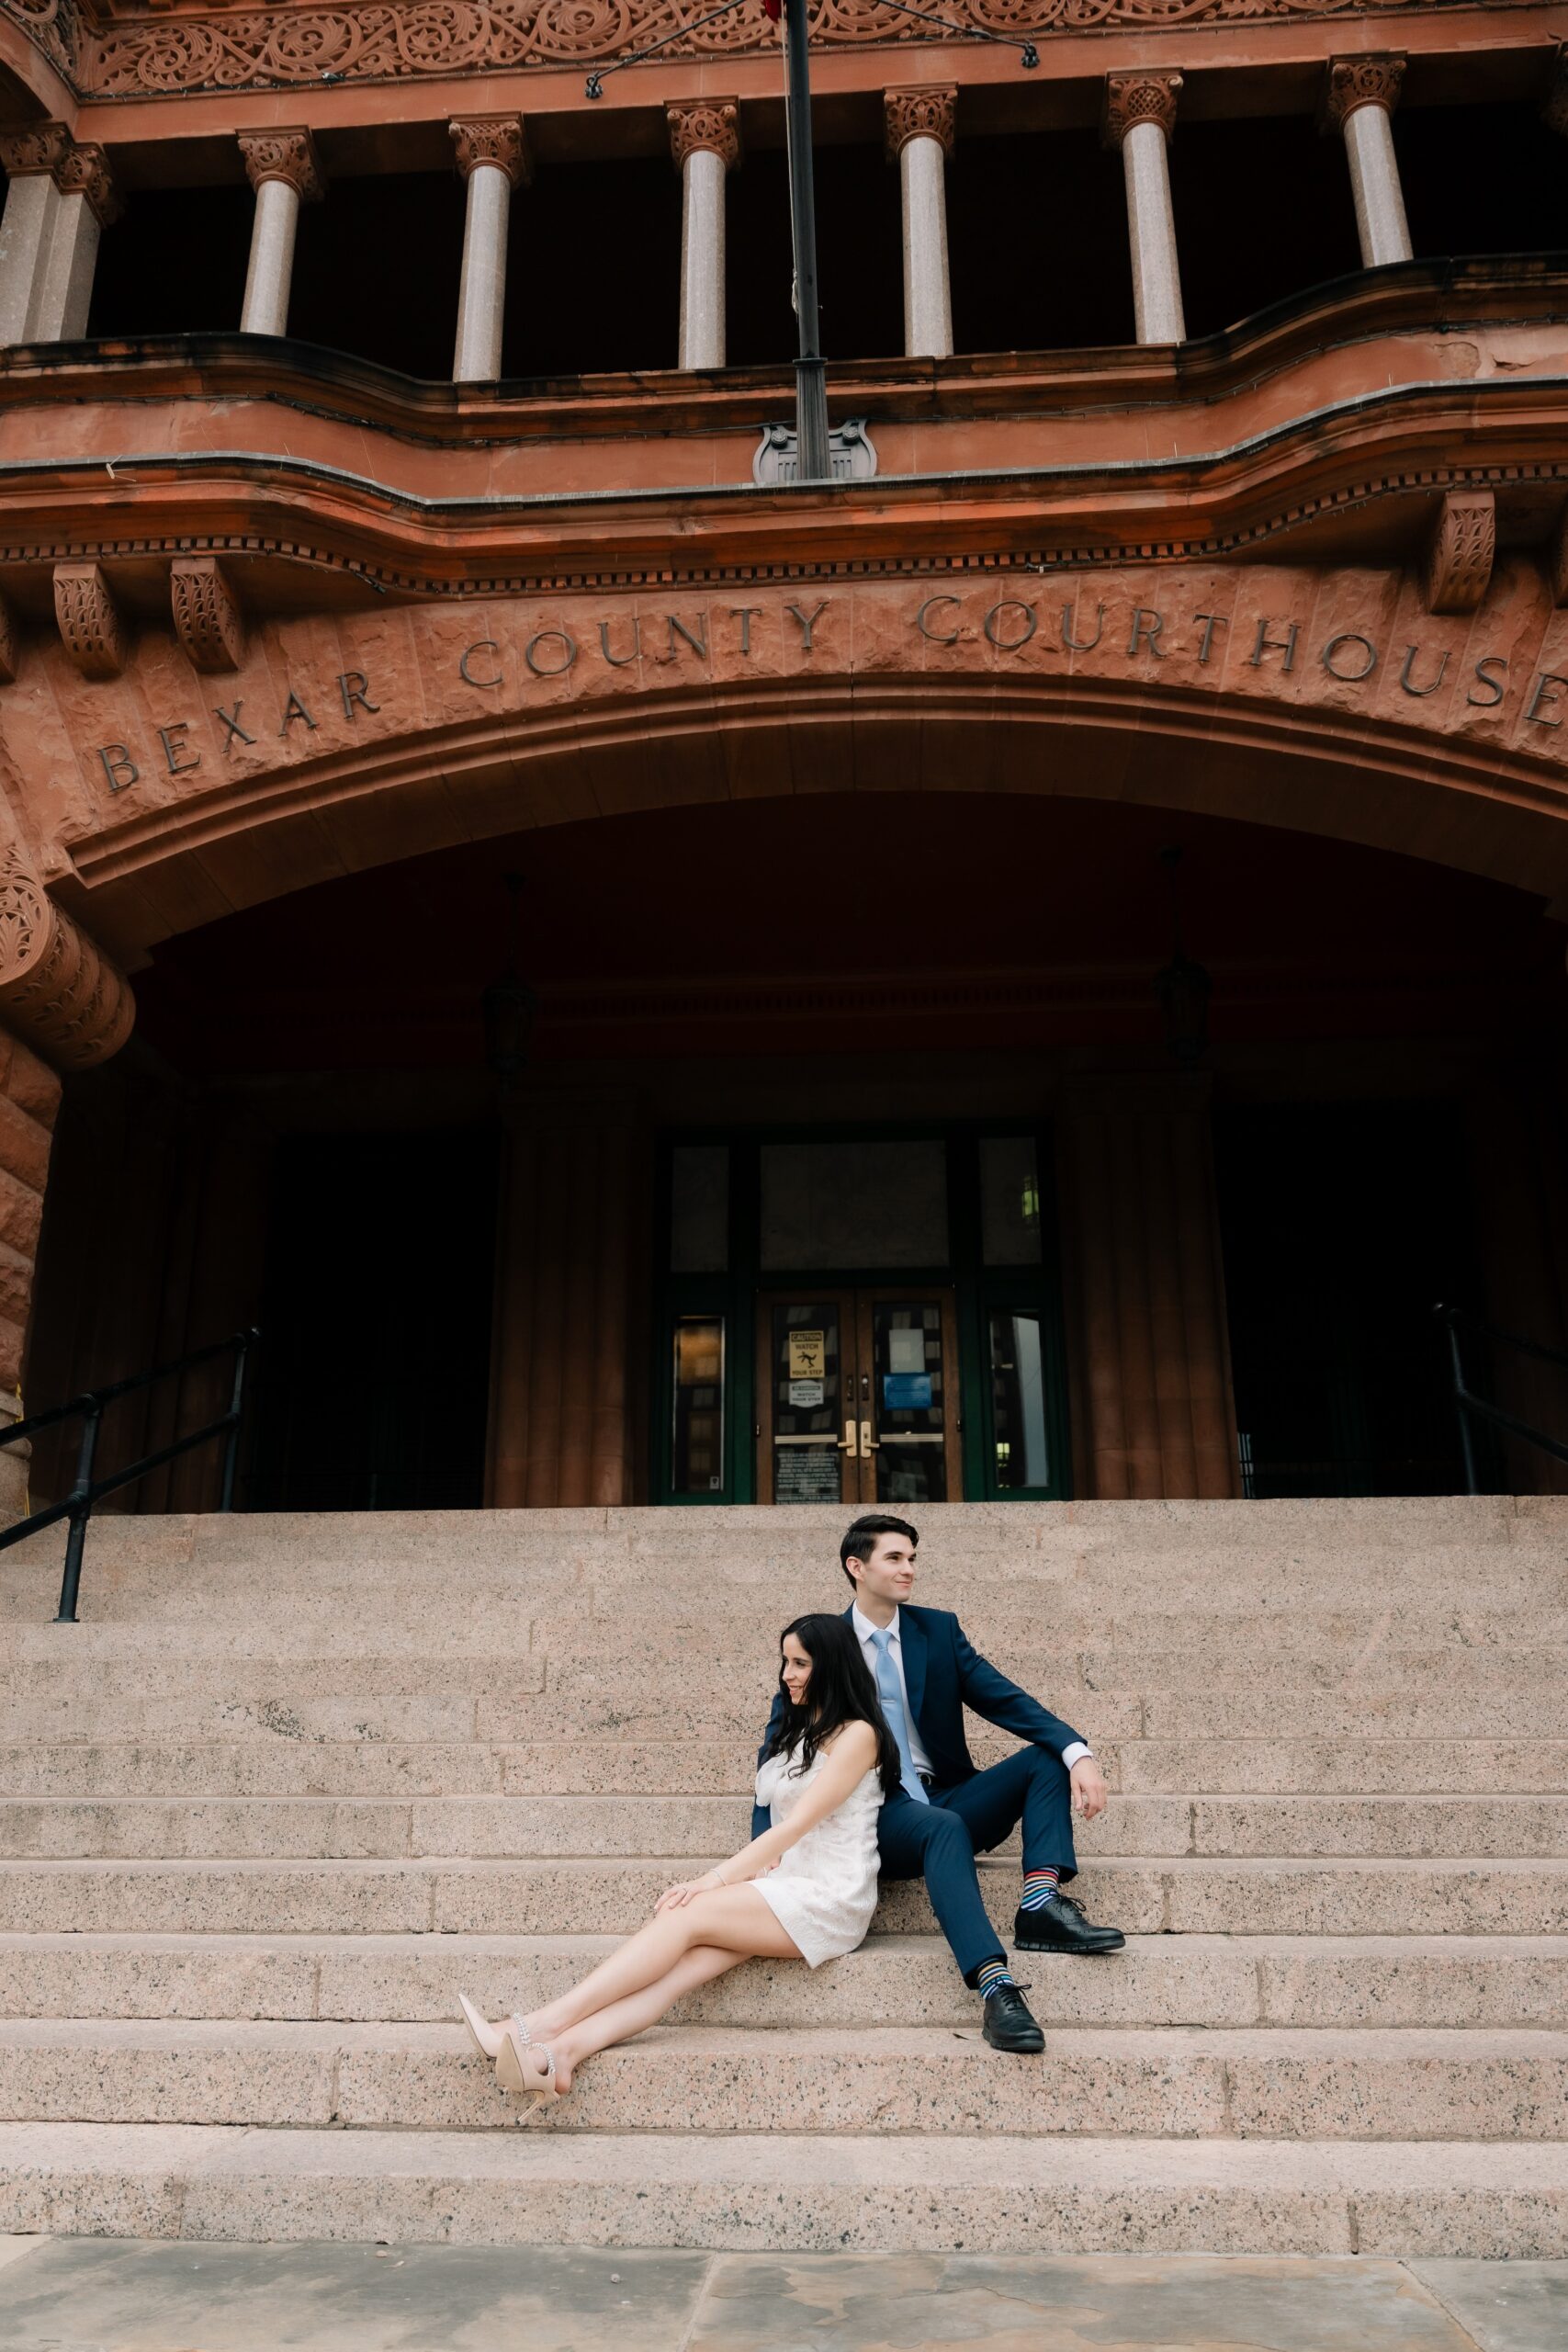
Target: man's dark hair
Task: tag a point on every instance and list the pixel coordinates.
(860, 1541)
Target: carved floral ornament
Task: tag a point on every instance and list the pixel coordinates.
(286, 155)
(76, 168)
(1132, 99)
(58, 991)
(1361, 82)
(920, 114)
(495, 139)
(710, 125)
(294, 47)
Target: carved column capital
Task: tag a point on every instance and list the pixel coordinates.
(207, 620)
(286, 155)
(58, 991)
(1132, 99)
(497, 139)
(1355, 82)
(925, 113)
(89, 619)
(704, 124)
(75, 169)
(1461, 551)
(40, 148)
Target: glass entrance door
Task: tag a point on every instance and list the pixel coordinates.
(858, 1395)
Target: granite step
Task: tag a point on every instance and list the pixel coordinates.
(1278, 2083)
(1190, 1980)
(1277, 1896)
(787, 2192)
(641, 1828)
(265, 1765)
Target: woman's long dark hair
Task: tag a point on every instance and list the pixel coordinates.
(841, 1692)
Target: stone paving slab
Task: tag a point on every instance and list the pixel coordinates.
(80, 2295)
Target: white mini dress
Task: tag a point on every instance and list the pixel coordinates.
(824, 1891)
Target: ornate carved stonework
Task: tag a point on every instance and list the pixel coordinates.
(89, 622)
(925, 113)
(713, 124)
(1361, 82)
(294, 47)
(58, 991)
(495, 139)
(10, 650)
(84, 170)
(1461, 551)
(1131, 99)
(1557, 559)
(286, 155)
(26, 153)
(207, 620)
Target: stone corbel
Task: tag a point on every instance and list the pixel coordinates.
(208, 619)
(696, 124)
(927, 113)
(59, 991)
(1132, 99)
(89, 619)
(497, 139)
(286, 155)
(1461, 551)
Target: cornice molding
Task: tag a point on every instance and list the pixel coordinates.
(136, 58)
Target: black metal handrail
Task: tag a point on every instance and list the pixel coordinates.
(1468, 1405)
(88, 1491)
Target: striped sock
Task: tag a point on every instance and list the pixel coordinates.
(993, 1973)
(1039, 1886)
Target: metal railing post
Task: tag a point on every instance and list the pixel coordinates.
(80, 1511)
(1461, 1403)
(236, 1402)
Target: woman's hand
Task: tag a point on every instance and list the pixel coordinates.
(674, 1897)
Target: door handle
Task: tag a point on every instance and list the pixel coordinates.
(868, 1444)
(847, 1442)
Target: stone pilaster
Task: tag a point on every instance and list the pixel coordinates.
(60, 196)
(1140, 119)
(1359, 99)
(918, 129)
(281, 167)
(704, 142)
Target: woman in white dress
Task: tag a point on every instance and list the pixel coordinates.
(823, 1777)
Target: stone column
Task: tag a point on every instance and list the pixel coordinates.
(282, 168)
(1153, 1404)
(705, 140)
(1359, 100)
(60, 196)
(918, 127)
(560, 1418)
(1140, 119)
(494, 158)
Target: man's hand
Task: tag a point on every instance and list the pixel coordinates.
(1090, 1790)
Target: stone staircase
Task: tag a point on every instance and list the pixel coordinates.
(292, 1781)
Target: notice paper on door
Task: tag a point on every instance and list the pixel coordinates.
(806, 1392)
(808, 1357)
(906, 1350)
(907, 1392)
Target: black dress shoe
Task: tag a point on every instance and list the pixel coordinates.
(1060, 1926)
(1008, 2024)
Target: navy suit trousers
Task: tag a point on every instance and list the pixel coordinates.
(939, 1842)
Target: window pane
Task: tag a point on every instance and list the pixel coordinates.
(1018, 1399)
(910, 1402)
(859, 1205)
(1009, 1201)
(696, 1465)
(699, 1208)
(808, 1400)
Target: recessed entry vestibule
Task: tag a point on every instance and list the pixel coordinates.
(857, 1315)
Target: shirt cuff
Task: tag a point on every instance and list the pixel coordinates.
(1074, 1751)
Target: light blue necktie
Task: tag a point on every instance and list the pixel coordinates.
(892, 1700)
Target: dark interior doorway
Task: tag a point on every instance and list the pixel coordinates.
(1342, 1227)
(373, 1380)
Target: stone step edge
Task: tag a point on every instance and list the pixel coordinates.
(434, 1865)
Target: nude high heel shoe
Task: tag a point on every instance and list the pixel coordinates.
(525, 2064)
(486, 2038)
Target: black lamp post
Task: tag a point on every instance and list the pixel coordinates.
(1183, 986)
(509, 1005)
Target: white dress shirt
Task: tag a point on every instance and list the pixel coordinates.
(864, 1630)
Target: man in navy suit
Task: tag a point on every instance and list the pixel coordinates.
(926, 1673)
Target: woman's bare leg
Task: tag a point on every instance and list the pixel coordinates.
(735, 1918)
(636, 2011)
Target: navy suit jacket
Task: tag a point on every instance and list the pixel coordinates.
(943, 1674)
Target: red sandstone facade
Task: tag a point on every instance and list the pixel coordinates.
(299, 653)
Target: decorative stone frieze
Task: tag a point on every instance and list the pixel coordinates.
(207, 620)
(75, 169)
(1132, 99)
(699, 124)
(58, 989)
(926, 113)
(89, 619)
(497, 139)
(1361, 82)
(286, 155)
(1461, 551)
